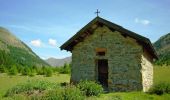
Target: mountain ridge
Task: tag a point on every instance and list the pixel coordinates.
(13, 51)
(58, 62)
(162, 47)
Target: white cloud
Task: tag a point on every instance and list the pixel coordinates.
(52, 42)
(36, 43)
(142, 21)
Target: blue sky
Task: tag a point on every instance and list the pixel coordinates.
(44, 25)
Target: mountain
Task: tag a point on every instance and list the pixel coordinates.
(58, 62)
(15, 52)
(162, 47)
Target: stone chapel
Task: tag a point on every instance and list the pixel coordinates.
(117, 58)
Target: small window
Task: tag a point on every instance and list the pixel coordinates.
(100, 51)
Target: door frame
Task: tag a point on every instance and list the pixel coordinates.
(97, 71)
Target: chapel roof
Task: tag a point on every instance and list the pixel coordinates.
(89, 28)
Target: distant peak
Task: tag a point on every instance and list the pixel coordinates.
(165, 36)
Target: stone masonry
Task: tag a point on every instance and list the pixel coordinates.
(129, 66)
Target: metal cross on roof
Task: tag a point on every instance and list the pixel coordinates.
(97, 12)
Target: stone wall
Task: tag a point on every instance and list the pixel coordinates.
(147, 71)
(123, 55)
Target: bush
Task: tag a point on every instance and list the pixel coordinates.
(39, 71)
(30, 87)
(67, 93)
(13, 70)
(33, 72)
(57, 69)
(26, 71)
(65, 69)
(54, 95)
(19, 68)
(73, 93)
(160, 88)
(64, 84)
(2, 69)
(48, 72)
(90, 88)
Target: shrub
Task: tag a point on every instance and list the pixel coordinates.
(57, 69)
(13, 70)
(67, 93)
(65, 69)
(19, 68)
(73, 93)
(17, 97)
(64, 84)
(39, 71)
(160, 88)
(90, 88)
(30, 87)
(26, 71)
(54, 95)
(2, 68)
(48, 72)
(32, 73)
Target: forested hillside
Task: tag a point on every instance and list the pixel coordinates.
(162, 47)
(15, 52)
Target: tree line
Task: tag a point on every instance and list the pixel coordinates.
(34, 70)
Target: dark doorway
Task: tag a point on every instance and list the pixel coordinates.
(103, 72)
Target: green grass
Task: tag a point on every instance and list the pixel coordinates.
(161, 74)
(130, 96)
(7, 82)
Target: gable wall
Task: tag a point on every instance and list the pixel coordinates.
(147, 71)
(124, 60)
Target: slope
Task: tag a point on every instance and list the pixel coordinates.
(15, 52)
(162, 47)
(58, 62)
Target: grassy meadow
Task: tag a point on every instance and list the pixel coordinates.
(161, 74)
(7, 81)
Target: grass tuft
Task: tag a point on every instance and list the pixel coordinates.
(30, 87)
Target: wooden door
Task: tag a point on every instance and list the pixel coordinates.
(103, 72)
